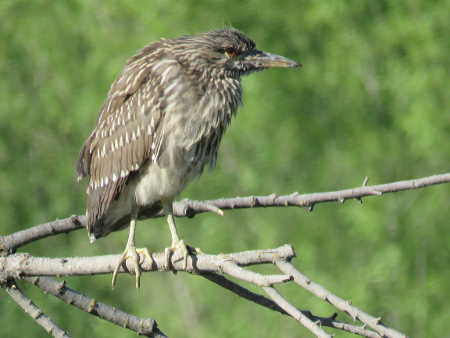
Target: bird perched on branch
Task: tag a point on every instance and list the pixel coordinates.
(161, 123)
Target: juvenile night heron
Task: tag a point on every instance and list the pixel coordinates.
(161, 123)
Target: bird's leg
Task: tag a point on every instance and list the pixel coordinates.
(176, 242)
(131, 252)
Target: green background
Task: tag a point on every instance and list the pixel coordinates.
(372, 99)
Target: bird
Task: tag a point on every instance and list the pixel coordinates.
(162, 122)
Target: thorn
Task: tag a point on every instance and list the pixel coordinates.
(359, 200)
(378, 320)
(91, 306)
(366, 179)
(213, 208)
(310, 207)
(334, 316)
(341, 199)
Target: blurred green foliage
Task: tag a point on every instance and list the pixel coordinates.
(372, 99)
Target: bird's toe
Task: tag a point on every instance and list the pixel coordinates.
(131, 252)
(180, 251)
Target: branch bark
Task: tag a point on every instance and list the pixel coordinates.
(34, 311)
(142, 326)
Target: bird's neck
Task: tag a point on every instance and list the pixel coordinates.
(218, 101)
(221, 99)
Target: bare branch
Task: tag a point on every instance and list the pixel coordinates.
(20, 265)
(242, 292)
(295, 313)
(11, 242)
(232, 269)
(270, 304)
(143, 326)
(34, 311)
(309, 200)
(189, 208)
(341, 304)
(25, 265)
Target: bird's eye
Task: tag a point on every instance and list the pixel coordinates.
(230, 52)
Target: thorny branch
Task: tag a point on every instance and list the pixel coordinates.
(37, 270)
(190, 208)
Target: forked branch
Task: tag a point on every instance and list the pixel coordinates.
(211, 267)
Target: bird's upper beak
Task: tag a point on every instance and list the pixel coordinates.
(261, 59)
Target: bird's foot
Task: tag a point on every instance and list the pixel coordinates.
(183, 250)
(132, 252)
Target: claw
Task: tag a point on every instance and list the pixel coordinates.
(168, 253)
(133, 253)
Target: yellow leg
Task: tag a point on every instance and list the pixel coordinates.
(131, 252)
(177, 244)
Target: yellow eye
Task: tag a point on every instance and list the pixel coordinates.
(230, 52)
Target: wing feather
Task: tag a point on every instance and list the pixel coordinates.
(127, 127)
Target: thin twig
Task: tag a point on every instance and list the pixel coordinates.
(142, 326)
(34, 311)
(339, 303)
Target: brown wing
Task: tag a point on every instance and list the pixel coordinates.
(126, 136)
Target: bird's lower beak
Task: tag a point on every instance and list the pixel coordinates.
(262, 59)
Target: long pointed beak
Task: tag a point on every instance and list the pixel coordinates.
(262, 59)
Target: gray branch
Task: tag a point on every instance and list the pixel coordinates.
(142, 326)
(295, 313)
(210, 266)
(270, 304)
(24, 265)
(190, 208)
(339, 303)
(33, 310)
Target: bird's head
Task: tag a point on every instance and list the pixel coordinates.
(228, 53)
